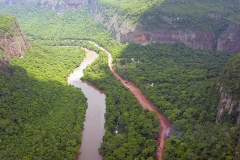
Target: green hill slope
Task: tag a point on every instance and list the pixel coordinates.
(230, 76)
(6, 25)
(229, 89)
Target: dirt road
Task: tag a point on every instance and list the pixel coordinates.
(165, 126)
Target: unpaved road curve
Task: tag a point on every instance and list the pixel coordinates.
(165, 126)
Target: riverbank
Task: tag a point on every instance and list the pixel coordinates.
(165, 125)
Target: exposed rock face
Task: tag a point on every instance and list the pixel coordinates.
(13, 46)
(16, 45)
(192, 38)
(229, 41)
(126, 31)
(54, 4)
(227, 103)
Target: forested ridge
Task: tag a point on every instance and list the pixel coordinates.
(48, 25)
(180, 81)
(197, 8)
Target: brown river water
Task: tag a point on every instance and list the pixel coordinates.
(94, 119)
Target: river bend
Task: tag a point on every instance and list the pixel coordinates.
(93, 131)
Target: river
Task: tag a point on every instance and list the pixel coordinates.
(94, 119)
(94, 124)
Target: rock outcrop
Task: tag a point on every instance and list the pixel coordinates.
(229, 41)
(192, 38)
(228, 86)
(15, 45)
(126, 31)
(227, 104)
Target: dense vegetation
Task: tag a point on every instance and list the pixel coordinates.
(45, 24)
(41, 116)
(135, 9)
(126, 8)
(178, 80)
(200, 8)
(181, 83)
(6, 25)
(229, 77)
(206, 15)
(137, 128)
(123, 113)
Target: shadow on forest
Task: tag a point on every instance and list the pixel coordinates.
(39, 118)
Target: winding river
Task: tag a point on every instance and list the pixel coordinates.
(94, 119)
(94, 124)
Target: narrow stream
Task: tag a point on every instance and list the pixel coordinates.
(94, 119)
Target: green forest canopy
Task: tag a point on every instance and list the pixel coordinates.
(6, 25)
(229, 77)
(134, 9)
(187, 97)
(41, 116)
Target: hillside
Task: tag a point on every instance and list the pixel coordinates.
(229, 87)
(205, 25)
(12, 40)
(6, 25)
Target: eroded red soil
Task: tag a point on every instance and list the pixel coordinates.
(146, 104)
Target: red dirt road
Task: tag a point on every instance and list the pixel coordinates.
(165, 126)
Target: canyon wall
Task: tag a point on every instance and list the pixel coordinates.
(172, 30)
(229, 40)
(229, 105)
(228, 86)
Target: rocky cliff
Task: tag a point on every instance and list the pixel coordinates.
(228, 85)
(15, 44)
(54, 4)
(228, 106)
(209, 31)
(229, 40)
(126, 31)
